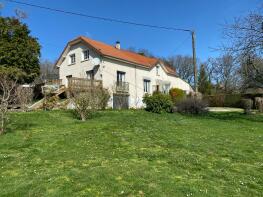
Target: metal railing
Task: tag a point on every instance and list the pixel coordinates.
(122, 87)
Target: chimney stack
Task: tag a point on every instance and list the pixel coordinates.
(118, 45)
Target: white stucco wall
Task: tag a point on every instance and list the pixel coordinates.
(135, 76)
(107, 72)
(80, 67)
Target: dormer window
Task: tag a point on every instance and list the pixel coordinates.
(72, 58)
(85, 55)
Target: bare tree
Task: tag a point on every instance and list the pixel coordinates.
(224, 72)
(20, 14)
(48, 70)
(245, 36)
(7, 97)
(184, 67)
(144, 52)
(244, 41)
(88, 100)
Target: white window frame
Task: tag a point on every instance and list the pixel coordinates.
(166, 88)
(83, 55)
(71, 58)
(121, 76)
(146, 85)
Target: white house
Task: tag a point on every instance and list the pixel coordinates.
(126, 74)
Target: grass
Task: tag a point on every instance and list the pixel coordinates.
(132, 153)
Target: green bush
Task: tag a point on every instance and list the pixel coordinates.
(224, 100)
(158, 103)
(232, 100)
(177, 95)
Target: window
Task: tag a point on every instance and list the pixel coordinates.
(166, 88)
(90, 74)
(85, 55)
(120, 76)
(146, 85)
(157, 70)
(72, 59)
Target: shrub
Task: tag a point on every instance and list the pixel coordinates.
(247, 105)
(224, 100)
(158, 103)
(192, 106)
(104, 97)
(232, 100)
(89, 100)
(177, 95)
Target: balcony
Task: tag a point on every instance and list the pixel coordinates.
(122, 87)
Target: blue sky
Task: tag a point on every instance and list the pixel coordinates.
(54, 30)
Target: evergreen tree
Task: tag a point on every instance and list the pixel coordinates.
(18, 49)
(204, 85)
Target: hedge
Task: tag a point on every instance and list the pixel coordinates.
(224, 100)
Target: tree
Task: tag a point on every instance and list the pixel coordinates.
(8, 92)
(244, 37)
(88, 100)
(184, 67)
(48, 70)
(18, 49)
(224, 73)
(204, 85)
(252, 72)
(144, 52)
(244, 41)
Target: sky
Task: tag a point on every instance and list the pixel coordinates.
(206, 17)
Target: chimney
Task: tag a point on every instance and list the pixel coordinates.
(118, 45)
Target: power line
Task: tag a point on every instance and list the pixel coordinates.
(99, 17)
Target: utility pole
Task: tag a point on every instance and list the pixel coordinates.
(194, 61)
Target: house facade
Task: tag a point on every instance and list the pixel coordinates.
(127, 75)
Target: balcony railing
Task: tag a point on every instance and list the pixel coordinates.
(82, 84)
(122, 87)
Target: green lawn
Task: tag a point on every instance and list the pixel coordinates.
(132, 153)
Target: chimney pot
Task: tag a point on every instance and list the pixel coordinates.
(118, 45)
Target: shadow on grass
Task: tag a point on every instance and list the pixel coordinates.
(233, 116)
(22, 126)
(74, 115)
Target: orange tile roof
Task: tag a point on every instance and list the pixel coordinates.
(111, 51)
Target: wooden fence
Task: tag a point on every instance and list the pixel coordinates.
(82, 84)
(53, 82)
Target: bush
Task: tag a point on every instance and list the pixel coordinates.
(158, 103)
(224, 100)
(192, 106)
(177, 95)
(87, 101)
(247, 105)
(104, 97)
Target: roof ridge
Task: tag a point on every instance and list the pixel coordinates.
(123, 54)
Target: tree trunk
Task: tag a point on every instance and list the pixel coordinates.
(2, 129)
(83, 117)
